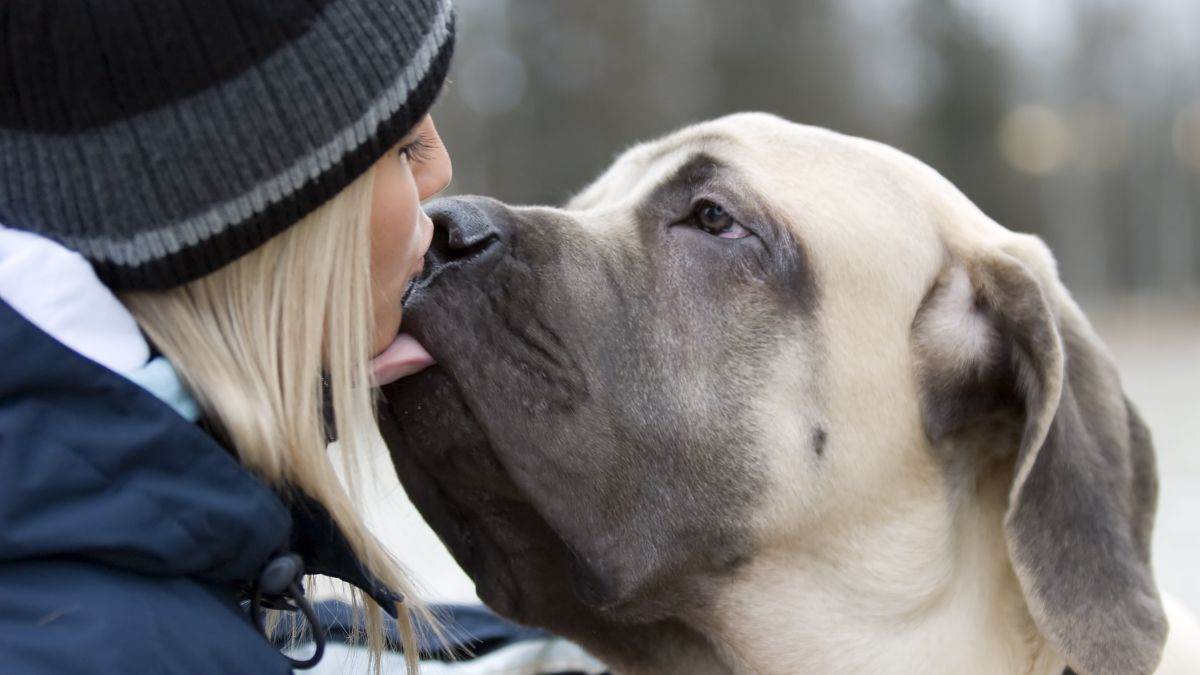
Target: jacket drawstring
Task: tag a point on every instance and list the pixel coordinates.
(279, 586)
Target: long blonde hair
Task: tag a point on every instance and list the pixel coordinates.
(253, 340)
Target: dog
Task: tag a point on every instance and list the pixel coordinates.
(765, 398)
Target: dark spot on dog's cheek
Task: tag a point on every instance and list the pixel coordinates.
(819, 438)
(734, 562)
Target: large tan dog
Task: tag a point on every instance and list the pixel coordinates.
(770, 399)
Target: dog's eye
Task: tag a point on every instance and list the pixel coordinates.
(715, 220)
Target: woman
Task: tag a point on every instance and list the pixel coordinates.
(211, 212)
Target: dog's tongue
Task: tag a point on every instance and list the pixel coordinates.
(402, 358)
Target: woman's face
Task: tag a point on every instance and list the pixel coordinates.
(415, 170)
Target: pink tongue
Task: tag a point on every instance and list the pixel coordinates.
(402, 358)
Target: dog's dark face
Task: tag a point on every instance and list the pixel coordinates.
(748, 335)
(592, 399)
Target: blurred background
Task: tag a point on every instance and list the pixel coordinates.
(1077, 120)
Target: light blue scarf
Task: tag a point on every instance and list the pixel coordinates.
(158, 377)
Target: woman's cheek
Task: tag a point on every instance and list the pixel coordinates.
(422, 237)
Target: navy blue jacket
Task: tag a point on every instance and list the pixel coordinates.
(126, 532)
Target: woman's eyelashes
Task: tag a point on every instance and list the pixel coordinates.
(418, 150)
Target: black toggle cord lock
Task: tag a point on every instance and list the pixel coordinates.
(279, 582)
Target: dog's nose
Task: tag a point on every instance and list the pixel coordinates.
(464, 230)
(466, 224)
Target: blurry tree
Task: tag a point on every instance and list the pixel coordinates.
(957, 124)
(1069, 120)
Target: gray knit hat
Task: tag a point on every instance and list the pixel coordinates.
(162, 140)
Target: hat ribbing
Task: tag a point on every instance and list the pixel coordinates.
(162, 140)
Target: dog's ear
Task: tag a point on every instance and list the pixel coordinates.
(1004, 353)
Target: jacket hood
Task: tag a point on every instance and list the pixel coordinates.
(94, 467)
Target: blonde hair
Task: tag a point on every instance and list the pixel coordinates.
(253, 342)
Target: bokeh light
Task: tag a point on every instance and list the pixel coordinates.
(1185, 136)
(1034, 139)
(492, 81)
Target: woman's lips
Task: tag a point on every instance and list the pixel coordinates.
(402, 358)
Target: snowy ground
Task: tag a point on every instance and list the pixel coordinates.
(1157, 347)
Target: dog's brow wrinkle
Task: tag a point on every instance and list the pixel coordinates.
(699, 168)
(668, 148)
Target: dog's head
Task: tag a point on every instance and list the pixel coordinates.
(751, 333)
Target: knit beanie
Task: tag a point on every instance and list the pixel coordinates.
(164, 139)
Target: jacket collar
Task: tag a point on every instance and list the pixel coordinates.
(94, 466)
(57, 290)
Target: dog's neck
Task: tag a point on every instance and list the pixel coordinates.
(925, 588)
